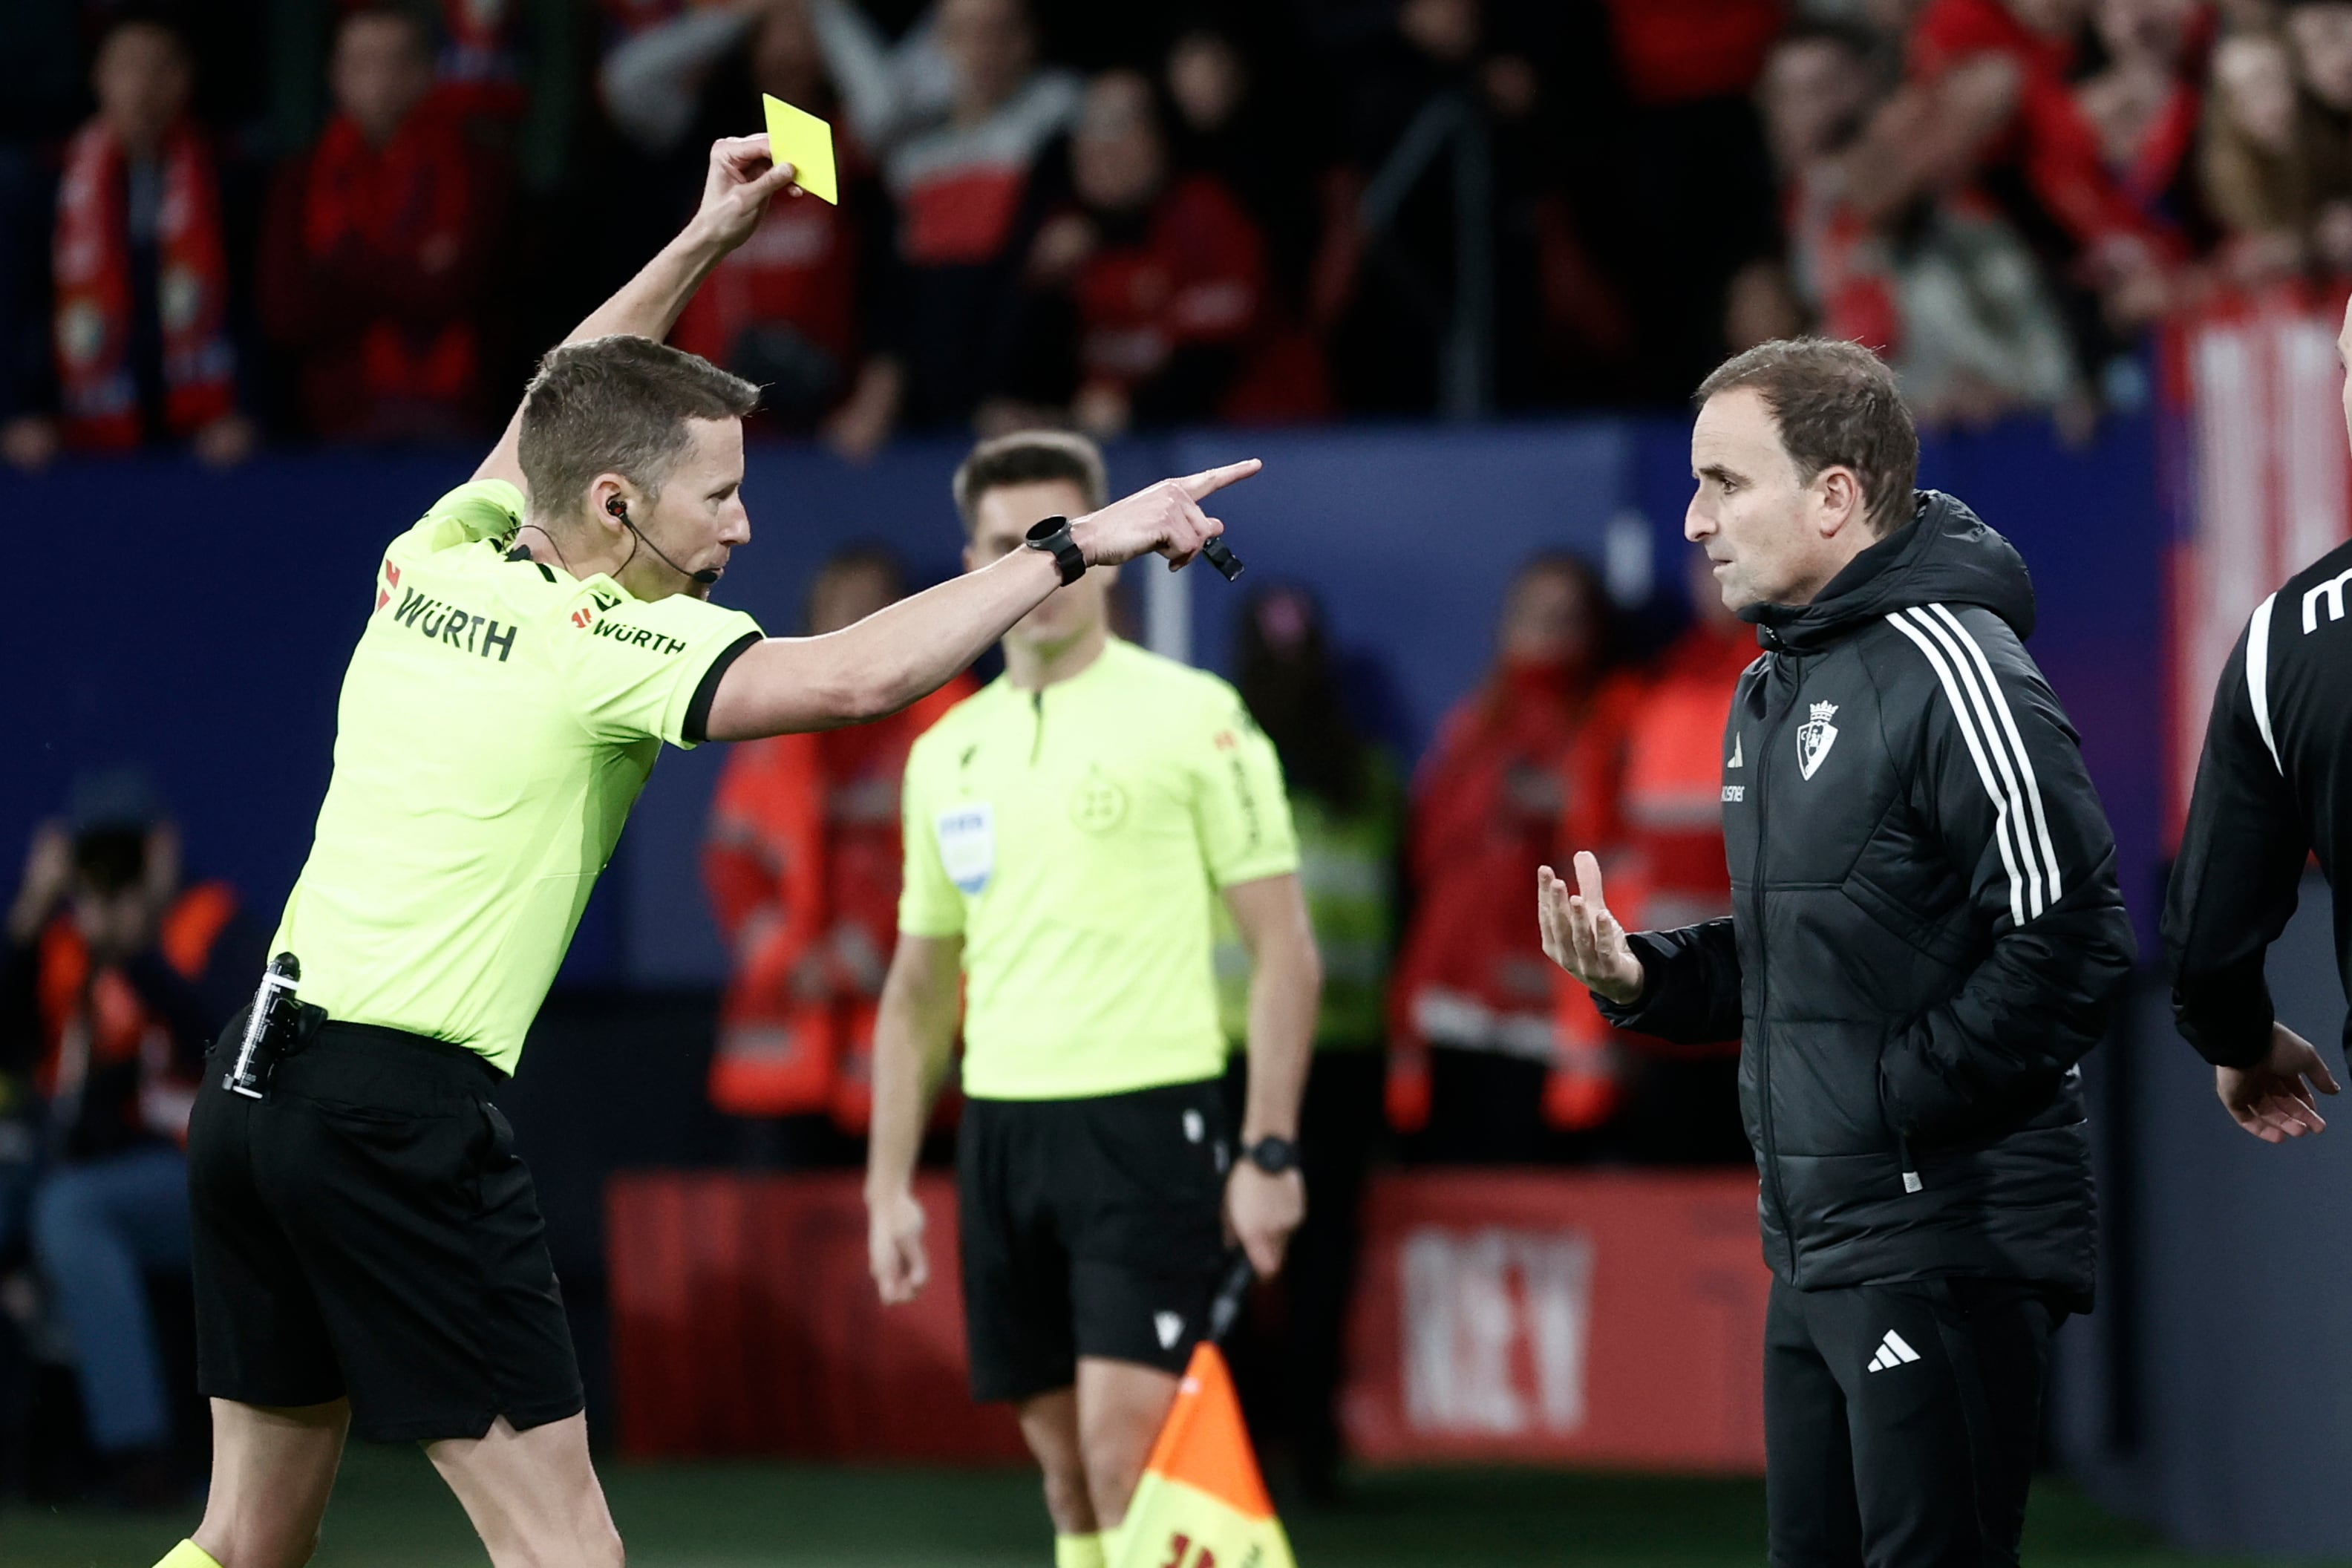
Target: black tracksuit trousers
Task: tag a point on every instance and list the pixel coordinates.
(1901, 1421)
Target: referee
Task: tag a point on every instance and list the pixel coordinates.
(1067, 831)
(2273, 790)
(368, 1249)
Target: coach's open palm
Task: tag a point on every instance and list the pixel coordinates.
(894, 1246)
(1581, 936)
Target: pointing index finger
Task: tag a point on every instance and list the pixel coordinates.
(1208, 481)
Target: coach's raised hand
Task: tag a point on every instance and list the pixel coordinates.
(1582, 937)
(1165, 517)
(735, 191)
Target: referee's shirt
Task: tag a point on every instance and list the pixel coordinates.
(2274, 788)
(497, 721)
(1075, 839)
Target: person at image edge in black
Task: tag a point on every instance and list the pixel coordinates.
(2273, 790)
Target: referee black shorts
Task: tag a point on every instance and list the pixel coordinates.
(1089, 1228)
(369, 1230)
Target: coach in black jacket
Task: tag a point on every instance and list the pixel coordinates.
(1926, 937)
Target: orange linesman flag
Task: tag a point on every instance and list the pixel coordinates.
(1201, 1503)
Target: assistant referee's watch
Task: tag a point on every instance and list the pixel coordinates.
(1054, 536)
(1272, 1155)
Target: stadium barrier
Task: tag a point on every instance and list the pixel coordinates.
(744, 1322)
(1553, 1317)
(1612, 1320)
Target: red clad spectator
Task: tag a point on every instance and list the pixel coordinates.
(1166, 279)
(1817, 88)
(1673, 51)
(379, 246)
(2007, 63)
(803, 862)
(1472, 1031)
(782, 311)
(139, 268)
(2321, 34)
(1958, 302)
(967, 209)
(2146, 104)
(1643, 787)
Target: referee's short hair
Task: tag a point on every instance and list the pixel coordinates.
(1029, 457)
(1837, 406)
(618, 406)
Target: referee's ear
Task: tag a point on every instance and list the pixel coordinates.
(613, 503)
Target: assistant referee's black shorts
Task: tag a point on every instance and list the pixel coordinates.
(1089, 1228)
(368, 1230)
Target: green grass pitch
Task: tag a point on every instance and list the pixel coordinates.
(391, 1511)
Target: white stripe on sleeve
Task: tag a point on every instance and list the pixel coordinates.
(1998, 748)
(2016, 743)
(1976, 749)
(2258, 673)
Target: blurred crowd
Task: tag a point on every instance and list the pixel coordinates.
(282, 220)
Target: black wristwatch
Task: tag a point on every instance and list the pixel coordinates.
(1053, 535)
(1272, 1155)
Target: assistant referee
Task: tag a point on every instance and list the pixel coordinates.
(1067, 831)
(368, 1249)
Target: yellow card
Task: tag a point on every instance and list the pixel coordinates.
(801, 138)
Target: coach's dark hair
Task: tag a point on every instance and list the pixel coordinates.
(1837, 407)
(1029, 457)
(618, 406)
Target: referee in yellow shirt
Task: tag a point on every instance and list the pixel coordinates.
(368, 1249)
(1068, 830)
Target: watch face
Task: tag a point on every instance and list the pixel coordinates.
(1273, 1155)
(1041, 532)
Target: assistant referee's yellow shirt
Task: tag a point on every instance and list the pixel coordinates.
(497, 721)
(1076, 839)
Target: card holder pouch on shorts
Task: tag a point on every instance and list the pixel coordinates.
(502, 1138)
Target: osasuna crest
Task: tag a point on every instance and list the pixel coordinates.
(1815, 738)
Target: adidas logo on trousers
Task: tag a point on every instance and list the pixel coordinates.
(1892, 1351)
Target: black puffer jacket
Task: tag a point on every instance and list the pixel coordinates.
(1927, 934)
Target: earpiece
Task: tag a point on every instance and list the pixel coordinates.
(620, 509)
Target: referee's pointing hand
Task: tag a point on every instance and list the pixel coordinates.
(1165, 517)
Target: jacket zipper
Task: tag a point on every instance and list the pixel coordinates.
(1764, 973)
(1037, 730)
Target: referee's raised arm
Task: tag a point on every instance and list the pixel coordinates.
(899, 654)
(735, 194)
